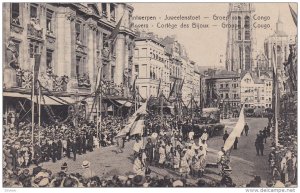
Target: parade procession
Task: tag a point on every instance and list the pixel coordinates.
(91, 98)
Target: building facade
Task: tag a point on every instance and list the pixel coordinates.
(72, 41)
(256, 91)
(240, 37)
(174, 62)
(223, 91)
(150, 67)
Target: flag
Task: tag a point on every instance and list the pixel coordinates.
(36, 68)
(134, 85)
(133, 126)
(236, 132)
(172, 90)
(111, 39)
(181, 84)
(275, 95)
(294, 15)
(115, 32)
(158, 89)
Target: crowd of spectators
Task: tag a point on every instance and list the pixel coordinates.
(283, 156)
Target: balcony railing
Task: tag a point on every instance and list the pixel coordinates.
(110, 89)
(35, 30)
(50, 81)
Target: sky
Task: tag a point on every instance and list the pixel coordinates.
(204, 46)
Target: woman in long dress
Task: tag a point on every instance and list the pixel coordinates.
(162, 155)
(184, 166)
(138, 166)
(176, 159)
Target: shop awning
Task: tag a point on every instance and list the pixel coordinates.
(124, 103)
(15, 94)
(48, 100)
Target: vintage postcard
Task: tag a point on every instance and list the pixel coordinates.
(108, 94)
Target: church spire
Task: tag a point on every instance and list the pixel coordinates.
(279, 17)
(279, 23)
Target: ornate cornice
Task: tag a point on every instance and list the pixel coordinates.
(93, 26)
(70, 16)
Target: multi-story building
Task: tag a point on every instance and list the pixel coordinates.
(174, 62)
(223, 91)
(196, 90)
(240, 39)
(72, 39)
(150, 66)
(256, 91)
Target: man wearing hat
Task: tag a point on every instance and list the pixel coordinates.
(204, 136)
(246, 128)
(149, 150)
(225, 136)
(138, 180)
(59, 149)
(74, 149)
(63, 169)
(87, 173)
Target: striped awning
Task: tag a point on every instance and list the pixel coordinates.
(46, 100)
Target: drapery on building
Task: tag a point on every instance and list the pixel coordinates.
(71, 40)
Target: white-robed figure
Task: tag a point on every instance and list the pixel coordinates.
(138, 166)
(191, 135)
(184, 165)
(162, 155)
(96, 142)
(202, 159)
(137, 145)
(176, 159)
(204, 136)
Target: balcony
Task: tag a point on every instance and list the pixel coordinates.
(224, 89)
(50, 81)
(110, 89)
(16, 27)
(35, 31)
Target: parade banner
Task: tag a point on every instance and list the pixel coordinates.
(132, 125)
(137, 127)
(236, 132)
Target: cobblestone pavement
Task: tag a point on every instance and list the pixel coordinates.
(244, 162)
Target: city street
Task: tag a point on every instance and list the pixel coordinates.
(244, 162)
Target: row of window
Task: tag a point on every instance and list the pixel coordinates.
(235, 85)
(34, 14)
(258, 106)
(226, 96)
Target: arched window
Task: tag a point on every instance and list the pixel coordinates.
(247, 22)
(240, 57)
(279, 56)
(239, 22)
(247, 58)
(247, 34)
(239, 35)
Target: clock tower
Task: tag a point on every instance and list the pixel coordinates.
(240, 37)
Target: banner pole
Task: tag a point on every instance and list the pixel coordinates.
(32, 101)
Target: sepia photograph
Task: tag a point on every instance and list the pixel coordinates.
(149, 94)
